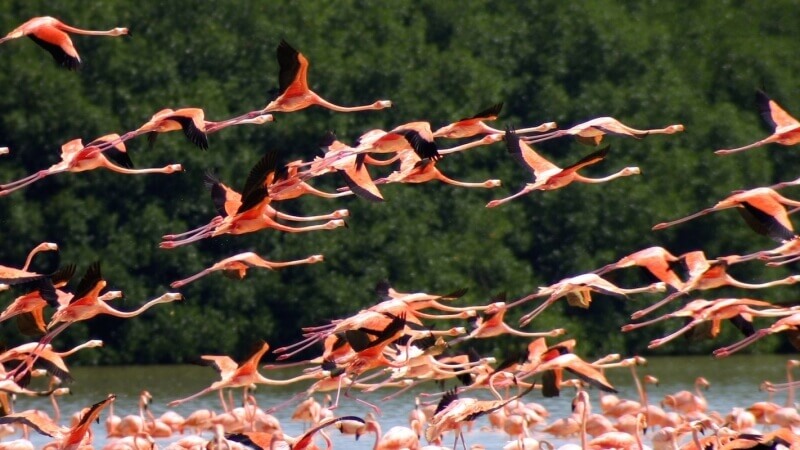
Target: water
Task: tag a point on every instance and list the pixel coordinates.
(734, 382)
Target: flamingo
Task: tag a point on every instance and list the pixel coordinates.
(51, 34)
(52, 360)
(13, 276)
(789, 323)
(85, 305)
(268, 441)
(75, 157)
(655, 259)
(592, 131)
(294, 93)
(471, 126)
(738, 310)
(705, 274)
(762, 201)
(786, 129)
(397, 438)
(578, 290)
(492, 324)
(687, 402)
(452, 411)
(234, 375)
(548, 176)
(192, 122)
(244, 213)
(416, 170)
(67, 438)
(236, 266)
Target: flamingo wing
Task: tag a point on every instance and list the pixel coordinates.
(489, 113)
(774, 115)
(293, 70)
(588, 160)
(32, 323)
(222, 364)
(42, 425)
(260, 172)
(773, 226)
(743, 325)
(359, 181)
(305, 439)
(424, 148)
(195, 135)
(59, 45)
(88, 282)
(226, 200)
(526, 156)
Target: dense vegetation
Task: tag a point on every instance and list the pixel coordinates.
(647, 63)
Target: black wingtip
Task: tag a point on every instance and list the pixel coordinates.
(327, 140)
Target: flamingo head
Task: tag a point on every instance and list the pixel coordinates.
(119, 31)
(315, 259)
(674, 129)
(631, 171)
(492, 183)
(381, 104)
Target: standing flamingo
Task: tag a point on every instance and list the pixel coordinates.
(51, 34)
(236, 266)
(786, 129)
(592, 131)
(548, 176)
(75, 157)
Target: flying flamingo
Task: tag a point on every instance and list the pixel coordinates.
(51, 34)
(66, 438)
(699, 311)
(236, 266)
(357, 179)
(246, 212)
(762, 201)
(416, 170)
(192, 122)
(655, 259)
(705, 274)
(471, 126)
(238, 375)
(85, 305)
(578, 290)
(786, 129)
(51, 360)
(492, 324)
(592, 132)
(294, 93)
(548, 176)
(790, 323)
(267, 441)
(75, 157)
(452, 411)
(13, 276)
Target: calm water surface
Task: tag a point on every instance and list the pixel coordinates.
(734, 382)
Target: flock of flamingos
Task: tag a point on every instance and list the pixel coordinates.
(395, 344)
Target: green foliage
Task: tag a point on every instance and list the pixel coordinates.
(649, 64)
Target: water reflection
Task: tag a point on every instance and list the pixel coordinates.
(734, 382)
